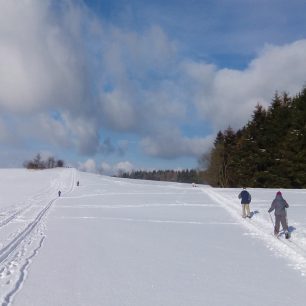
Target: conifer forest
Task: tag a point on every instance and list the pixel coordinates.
(268, 152)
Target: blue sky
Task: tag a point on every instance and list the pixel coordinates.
(117, 84)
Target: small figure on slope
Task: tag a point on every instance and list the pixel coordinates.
(78, 183)
(245, 197)
(59, 193)
(279, 205)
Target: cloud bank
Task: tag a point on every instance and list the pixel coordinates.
(227, 96)
(106, 168)
(67, 77)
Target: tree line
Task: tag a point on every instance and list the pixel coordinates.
(183, 176)
(38, 163)
(269, 151)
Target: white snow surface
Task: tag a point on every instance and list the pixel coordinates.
(120, 242)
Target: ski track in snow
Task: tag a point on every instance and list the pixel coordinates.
(151, 220)
(153, 205)
(28, 223)
(22, 242)
(294, 249)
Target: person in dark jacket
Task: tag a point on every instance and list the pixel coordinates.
(245, 197)
(279, 205)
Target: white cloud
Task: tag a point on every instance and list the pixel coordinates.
(171, 144)
(228, 97)
(117, 168)
(88, 166)
(40, 62)
(83, 132)
(124, 166)
(65, 76)
(118, 110)
(43, 69)
(137, 90)
(106, 168)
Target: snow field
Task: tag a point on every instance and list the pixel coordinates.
(125, 242)
(260, 226)
(22, 223)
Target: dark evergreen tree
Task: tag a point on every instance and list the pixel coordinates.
(269, 151)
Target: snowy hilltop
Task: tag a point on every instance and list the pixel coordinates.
(72, 238)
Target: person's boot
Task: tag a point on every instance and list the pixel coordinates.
(287, 235)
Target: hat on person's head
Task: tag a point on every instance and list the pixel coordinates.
(278, 193)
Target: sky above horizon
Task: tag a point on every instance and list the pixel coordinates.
(119, 85)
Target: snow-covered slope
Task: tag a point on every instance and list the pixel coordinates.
(123, 242)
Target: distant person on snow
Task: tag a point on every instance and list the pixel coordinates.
(59, 193)
(279, 205)
(78, 183)
(245, 197)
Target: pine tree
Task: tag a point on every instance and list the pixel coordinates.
(269, 151)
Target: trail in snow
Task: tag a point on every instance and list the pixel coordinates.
(22, 234)
(294, 249)
(151, 220)
(158, 244)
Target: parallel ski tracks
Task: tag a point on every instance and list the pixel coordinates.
(263, 230)
(37, 198)
(13, 216)
(9, 248)
(33, 201)
(294, 245)
(17, 247)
